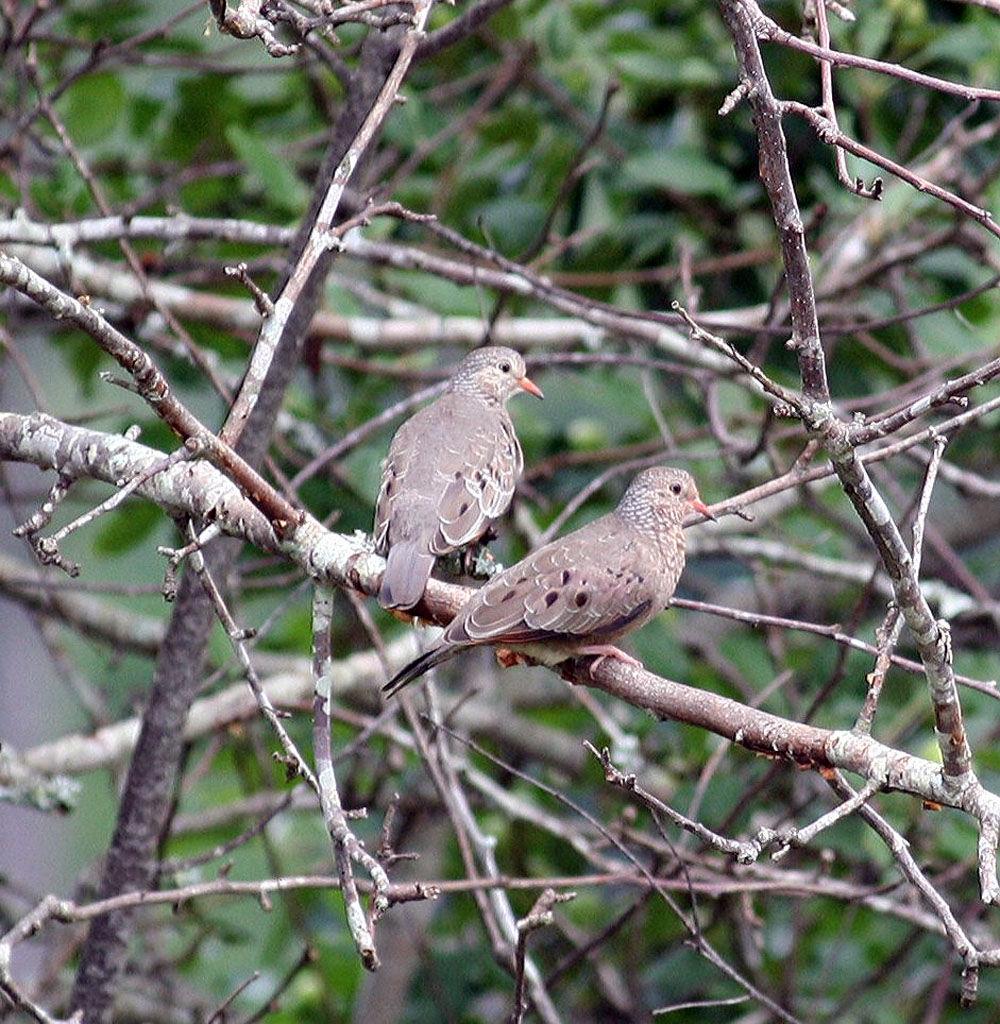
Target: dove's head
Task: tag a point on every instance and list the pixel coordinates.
(493, 374)
(661, 497)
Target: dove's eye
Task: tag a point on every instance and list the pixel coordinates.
(675, 488)
(505, 367)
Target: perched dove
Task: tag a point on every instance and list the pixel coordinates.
(580, 592)
(450, 472)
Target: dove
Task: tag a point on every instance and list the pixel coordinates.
(450, 472)
(579, 593)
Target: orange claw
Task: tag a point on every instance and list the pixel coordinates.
(507, 658)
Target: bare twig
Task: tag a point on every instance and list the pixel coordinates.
(540, 916)
(320, 239)
(346, 846)
(931, 636)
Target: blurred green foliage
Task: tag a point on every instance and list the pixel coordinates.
(671, 182)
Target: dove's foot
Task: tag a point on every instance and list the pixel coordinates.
(479, 563)
(608, 651)
(475, 561)
(506, 658)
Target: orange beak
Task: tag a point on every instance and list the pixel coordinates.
(525, 384)
(699, 506)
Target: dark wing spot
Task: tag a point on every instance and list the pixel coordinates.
(463, 508)
(566, 576)
(508, 596)
(389, 487)
(458, 474)
(582, 597)
(551, 597)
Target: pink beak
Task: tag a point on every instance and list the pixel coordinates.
(699, 506)
(525, 384)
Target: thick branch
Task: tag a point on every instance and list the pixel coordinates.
(150, 384)
(349, 562)
(932, 637)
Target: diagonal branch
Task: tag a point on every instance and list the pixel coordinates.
(320, 240)
(764, 27)
(827, 129)
(151, 385)
(349, 562)
(932, 637)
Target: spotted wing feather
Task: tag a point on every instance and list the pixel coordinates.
(590, 585)
(479, 488)
(450, 473)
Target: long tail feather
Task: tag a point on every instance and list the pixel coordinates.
(407, 570)
(417, 668)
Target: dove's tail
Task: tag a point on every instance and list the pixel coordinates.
(407, 570)
(417, 668)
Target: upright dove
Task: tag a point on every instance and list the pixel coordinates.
(578, 594)
(450, 472)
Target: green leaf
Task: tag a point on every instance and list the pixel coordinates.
(961, 45)
(679, 169)
(128, 527)
(652, 69)
(512, 222)
(93, 108)
(874, 30)
(271, 171)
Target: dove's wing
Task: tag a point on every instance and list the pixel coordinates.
(482, 473)
(595, 583)
(450, 472)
